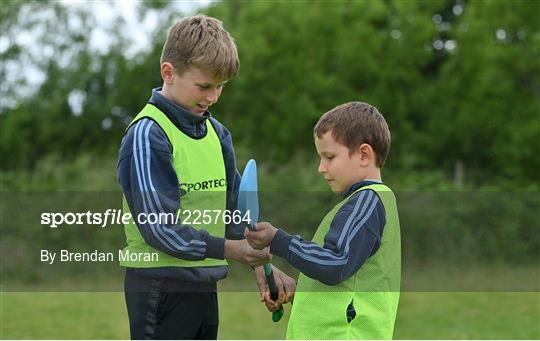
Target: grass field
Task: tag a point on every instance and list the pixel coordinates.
(488, 315)
(502, 310)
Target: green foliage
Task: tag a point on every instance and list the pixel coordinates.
(490, 116)
(52, 173)
(452, 91)
(470, 102)
(467, 227)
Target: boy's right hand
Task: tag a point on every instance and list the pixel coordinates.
(261, 236)
(241, 251)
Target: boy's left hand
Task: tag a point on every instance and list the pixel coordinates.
(262, 236)
(286, 287)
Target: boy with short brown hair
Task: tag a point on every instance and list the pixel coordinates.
(201, 41)
(176, 158)
(350, 271)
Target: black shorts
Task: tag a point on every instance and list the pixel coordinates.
(163, 308)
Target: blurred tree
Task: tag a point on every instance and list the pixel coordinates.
(87, 97)
(457, 81)
(445, 74)
(487, 95)
(301, 59)
(41, 40)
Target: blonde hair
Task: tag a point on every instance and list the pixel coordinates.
(355, 123)
(201, 41)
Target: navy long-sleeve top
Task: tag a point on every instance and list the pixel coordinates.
(147, 176)
(355, 235)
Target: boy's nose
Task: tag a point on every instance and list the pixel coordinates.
(213, 96)
(321, 169)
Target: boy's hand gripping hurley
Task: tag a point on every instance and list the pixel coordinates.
(248, 201)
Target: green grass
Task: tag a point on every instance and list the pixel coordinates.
(54, 315)
(480, 315)
(427, 309)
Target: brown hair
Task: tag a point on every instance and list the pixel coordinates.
(355, 123)
(201, 41)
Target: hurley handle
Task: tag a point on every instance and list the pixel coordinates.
(274, 294)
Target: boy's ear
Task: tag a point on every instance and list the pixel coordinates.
(167, 72)
(366, 153)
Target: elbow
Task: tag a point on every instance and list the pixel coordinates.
(331, 278)
(152, 241)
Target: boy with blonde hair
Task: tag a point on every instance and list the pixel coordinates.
(177, 160)
(350, 271)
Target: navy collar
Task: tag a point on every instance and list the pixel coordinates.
(191, 124)
(359, 185)
(179, 113)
